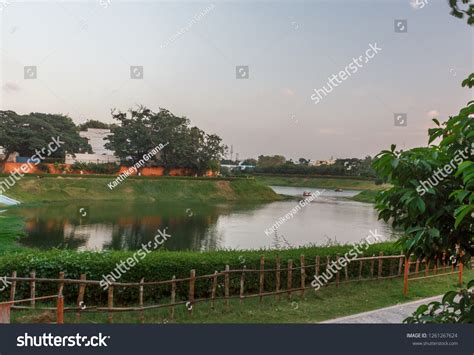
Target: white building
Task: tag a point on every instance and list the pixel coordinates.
(322, 162)
(97, 138)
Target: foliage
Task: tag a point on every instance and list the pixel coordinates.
(341, 167)
(434, 218)
(455, 307)
(162, 265)
(143, 130)
(93, 124)
(96, 168)
(26, 134)
(456, 11)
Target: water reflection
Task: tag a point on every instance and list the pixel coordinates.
(197, 226)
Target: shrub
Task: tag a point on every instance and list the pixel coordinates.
(451, 309)
(162, 265)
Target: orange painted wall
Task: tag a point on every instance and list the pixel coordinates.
(155, 171)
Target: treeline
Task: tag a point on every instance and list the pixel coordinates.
(136, 133)
(278, 164)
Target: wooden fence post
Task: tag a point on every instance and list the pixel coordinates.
(80, 297)
(417, 266)
(277, 278)
(316, 271)
(443, 259)
(372, 263)
(461, 267)
(262, 277)
(435, 266)
(242, 281)
(110, 304)
(427, 267)
(61, 284)
(173, 296)
(290, 278)
(13, 287)
(303, 276)
(360, 269)
(405, 276)
(33, 288)
(400, 265)
(140, 300)
(226, 286)
(192, 281)
(60, 310)
(337, 272)
(214, 289)
(5, 313)
(379, 273)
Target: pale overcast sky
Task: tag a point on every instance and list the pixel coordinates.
(83, 52)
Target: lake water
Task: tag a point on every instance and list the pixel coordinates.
(198, 226)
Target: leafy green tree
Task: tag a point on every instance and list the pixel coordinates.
(142, 130)
(93, 124)
(27, 133)
(436, 216)
(265, 161)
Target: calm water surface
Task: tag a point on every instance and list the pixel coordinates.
(200, 227)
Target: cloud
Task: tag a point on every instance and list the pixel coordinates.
(432, 114)
(11, 87)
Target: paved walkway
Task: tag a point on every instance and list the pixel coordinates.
(393, 314)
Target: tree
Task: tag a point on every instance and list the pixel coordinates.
(434, 214)
(304, 161)
(265, 161)
(142, 130)
(93, 124)
(250, 161)
(27, 133)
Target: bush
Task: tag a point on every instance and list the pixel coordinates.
(162, 265)
(451, 309)
(110, 168)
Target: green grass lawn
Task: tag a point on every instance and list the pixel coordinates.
(330, 302)
(59, 188)
(321, 182)
(11, 228)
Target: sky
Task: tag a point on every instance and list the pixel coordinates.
(189, 52)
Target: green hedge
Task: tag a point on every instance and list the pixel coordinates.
(162, 265)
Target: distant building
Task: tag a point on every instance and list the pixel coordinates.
(97, 138)
(322, 162)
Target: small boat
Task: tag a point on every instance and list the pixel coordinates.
(306, 194)
(338, 190)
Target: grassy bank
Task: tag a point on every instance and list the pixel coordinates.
(328, 303)
(59, 188)
(365, 196)
(11, 228)
(321, 182)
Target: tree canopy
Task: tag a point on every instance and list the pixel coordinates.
(26, 133)
(140, 130)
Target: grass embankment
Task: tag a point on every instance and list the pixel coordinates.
(59, 188)
(368, 187)
(321, 182)
(11, 228)
(330, 302)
